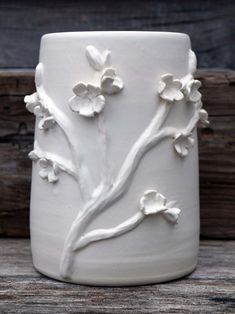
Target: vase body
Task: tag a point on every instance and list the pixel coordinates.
(155, 250)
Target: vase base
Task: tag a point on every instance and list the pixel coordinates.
(119, 282)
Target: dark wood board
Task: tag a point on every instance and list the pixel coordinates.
(209, 289)
(210, 24)
(217, 155)
(216, 143)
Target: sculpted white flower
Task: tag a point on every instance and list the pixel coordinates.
(50, 170)
(182, 143)
(33, 155)
(35, 106)
(203, 115)
(203, 118)
(88, 100)
(110, 82)
(169, 88)
(192, 92)
(153, 202)
(46, 122)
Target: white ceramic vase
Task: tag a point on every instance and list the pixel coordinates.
(114, 197)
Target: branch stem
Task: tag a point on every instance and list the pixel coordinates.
(102, 234)
(146, 141)
(66, 126)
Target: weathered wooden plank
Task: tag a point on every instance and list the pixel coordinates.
(208, 289)
(216, 143)
(209, 23)
(13, 82)
(217, 152)
(218, 91)
(15, 173)
(217, 177)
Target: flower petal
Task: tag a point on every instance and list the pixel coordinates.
(109, 72)
(152, 202)
(177, 84)
(33, 155)
(106, 84)
(30, 107)
(80, 89)
(99, 103)
(82, 105)
(172, 214)
(182, 143)
(161, 87)
(195, 96)
(56, 168)
(52, 177)
(160, 200)
(31, 98)
(196, 84)
(111, 85)
(93, 91)
(178, 95)
(46, 123)
(117, 84)
(178, 149)
(192, 90)
(44, 163)
(43, 173)
(169, 88)
(203, 117)
(75, 103)
(167, 78)
(31, 101)
(38, 111)
(86, 108)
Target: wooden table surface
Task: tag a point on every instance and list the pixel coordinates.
(208, 289)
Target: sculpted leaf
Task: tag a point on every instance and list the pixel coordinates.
(97, 59)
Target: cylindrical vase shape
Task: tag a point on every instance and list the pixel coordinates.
(114, 197)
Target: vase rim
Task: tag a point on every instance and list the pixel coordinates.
(116, 33)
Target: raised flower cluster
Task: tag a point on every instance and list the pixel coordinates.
(152, 203)
(89, 99)
(36, 105)
(173, 90)
(49, 169)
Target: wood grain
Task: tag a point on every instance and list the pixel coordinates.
(217, 155)
(216, 143)
(210, 25)
(209, 289)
